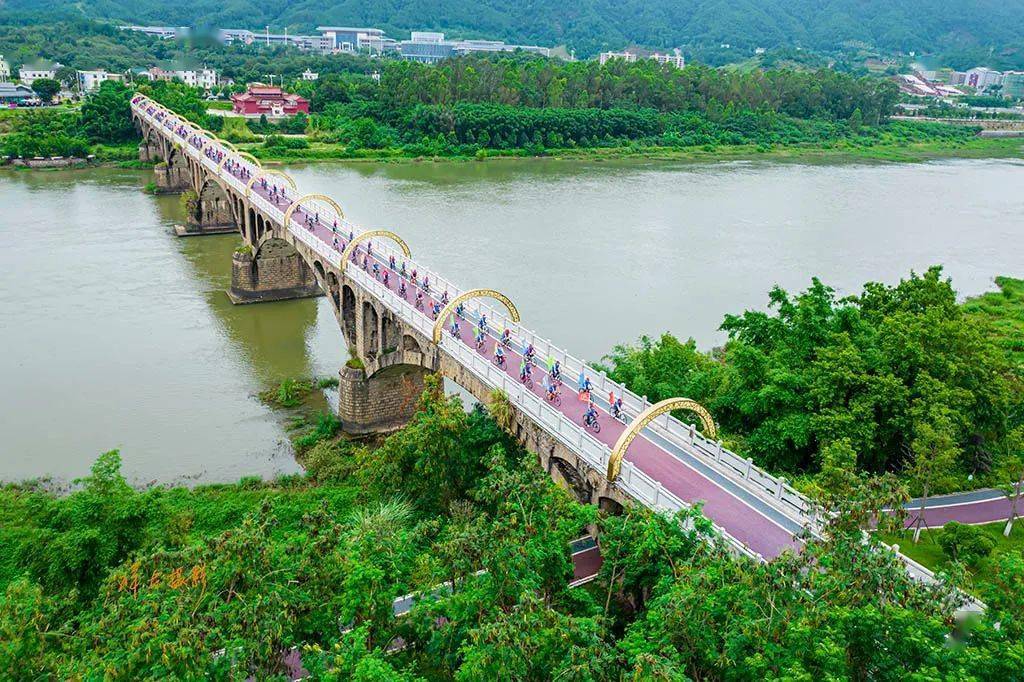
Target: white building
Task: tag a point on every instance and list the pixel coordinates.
(308, 75)
(981, 77)
(41, 68)
(675, 59)
(88, 81)
(605, 57)
(352, 39)
(164, 32)
(196, 76)
(5, 70)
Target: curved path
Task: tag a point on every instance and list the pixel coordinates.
(977, 506)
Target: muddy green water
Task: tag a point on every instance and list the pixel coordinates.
(114, 333)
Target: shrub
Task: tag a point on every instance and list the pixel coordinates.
(968, 544)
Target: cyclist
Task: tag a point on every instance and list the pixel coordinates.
(556, 371)
(506, 337)
(419, 300)
(376, 271)
(402, 273)
(617, 409)
(444, 297)
(524, 370)
(455, 327)
(391, 262)
(369, 248)
(483, 321)
(529, 352)
(499, 354)
(426, 283)
(590, 416)
(479, 338)
(552, 391)
(401, 288)
(386, 279)
(437, 309)
(460, 310)
(336, 243)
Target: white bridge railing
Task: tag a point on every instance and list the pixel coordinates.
(730, 469)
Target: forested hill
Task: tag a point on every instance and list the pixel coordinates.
(973, 29)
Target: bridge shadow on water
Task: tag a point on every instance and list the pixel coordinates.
(278, 340)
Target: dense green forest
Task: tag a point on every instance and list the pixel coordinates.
(223, 581)
(519, 105)
(967, 32)
(901, 378)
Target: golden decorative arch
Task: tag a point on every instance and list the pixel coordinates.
(265, 172)
(472, 293)
(645, 418)
(347, 253)
(251, 159)
(306, 197)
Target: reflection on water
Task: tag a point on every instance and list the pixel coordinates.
(117, 334)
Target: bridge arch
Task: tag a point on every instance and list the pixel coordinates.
(311, 197)
(359, 238)
(645, 418)
(212, 205)
(266, 172)
(473, 293)
(251, 159)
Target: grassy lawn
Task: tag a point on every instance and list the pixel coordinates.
(218, 105)
(1004, 309)
(929, 553)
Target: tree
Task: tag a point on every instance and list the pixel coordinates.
(106, 114)
(46, 88)
(968, 544)
(933, 453)
(1013, 470)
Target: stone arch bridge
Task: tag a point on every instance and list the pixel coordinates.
(385, 303)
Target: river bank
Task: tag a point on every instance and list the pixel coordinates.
(841, 151)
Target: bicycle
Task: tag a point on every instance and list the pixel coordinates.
(555, 398)
(592, 423)
(499, 360)
(526, 380)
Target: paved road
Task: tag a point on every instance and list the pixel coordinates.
(745, 517)
(976, 506)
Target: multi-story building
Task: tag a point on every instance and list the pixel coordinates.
(675, 59)
(1013, 84)
(5, 70)
(605, 57)
(41, 68)
(353, 39)
(235, 35)
(164, 32)
(269, 101)
(89, 81)
(430, 47)
(189, 74)
(469, 46)
(981, 78)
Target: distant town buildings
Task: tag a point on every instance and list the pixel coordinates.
(164, 32)
(5, 70)
(1013, 84)
(675, 59)
(90, 81)
(190, 74)
(980, 78)
(308, 75)
(14, 93)
(40, 68)
(430, 47)
(423, 46)
(269, 101)
(918, 85)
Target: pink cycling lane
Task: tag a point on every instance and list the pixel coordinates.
(726, 508)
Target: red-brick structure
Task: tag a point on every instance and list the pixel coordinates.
(261, 99)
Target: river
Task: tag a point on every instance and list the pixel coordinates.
(117, 334)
